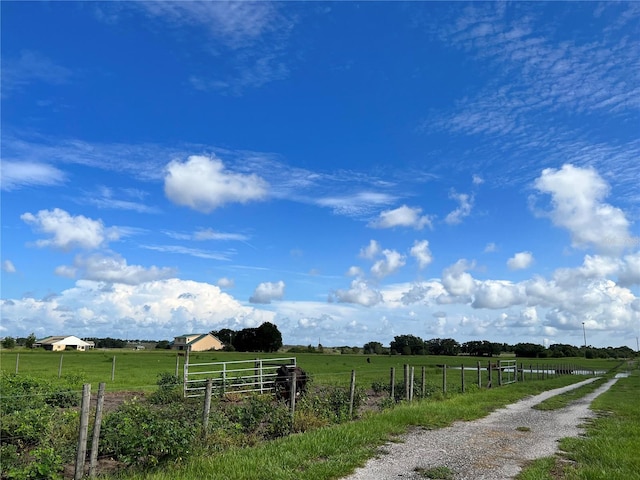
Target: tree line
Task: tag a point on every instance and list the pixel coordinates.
(265, 338)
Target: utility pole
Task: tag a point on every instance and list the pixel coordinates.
(584, 333)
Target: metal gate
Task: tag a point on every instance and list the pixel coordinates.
(241, 376)
(508, 371)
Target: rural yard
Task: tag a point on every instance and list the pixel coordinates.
(491, 448)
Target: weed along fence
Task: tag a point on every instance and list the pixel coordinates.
(242, 376)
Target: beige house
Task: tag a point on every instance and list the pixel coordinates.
(197, 342)
(60, 343)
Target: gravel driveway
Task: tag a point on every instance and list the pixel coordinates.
(491, 448)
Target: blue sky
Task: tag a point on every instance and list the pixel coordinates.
(348, 171)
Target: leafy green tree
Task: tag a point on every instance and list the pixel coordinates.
(408, 345)
(225, 335)
(270, 338)
(373, 347)
(163, 345)
(9, 342)
(31, 339)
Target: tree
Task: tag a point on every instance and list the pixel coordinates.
(530, 350)
(225, 335)
(31, 339)
(408, 345)
(373, 347)
(8, 342)
(269, 337)
(163, 344)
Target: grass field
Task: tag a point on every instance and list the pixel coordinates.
(139, 370)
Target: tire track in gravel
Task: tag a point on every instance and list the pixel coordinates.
(490, 448)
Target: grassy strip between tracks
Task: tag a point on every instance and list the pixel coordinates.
(560, 401)
(333, 452)
(609, 451)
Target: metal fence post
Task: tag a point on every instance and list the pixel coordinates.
(95, 439)
(82, 434)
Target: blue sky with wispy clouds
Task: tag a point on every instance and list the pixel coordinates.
(348, 171)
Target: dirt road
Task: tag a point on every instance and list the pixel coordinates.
(491, 448)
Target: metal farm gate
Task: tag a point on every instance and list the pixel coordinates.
(241, 376)
(508, 371)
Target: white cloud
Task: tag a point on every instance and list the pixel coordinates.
(17, 175)
(577, 196)
(465, 204)
(490, 248)
(370, 251)
(356, 205)
(391, 263)
(457, 281)
(477, 179)
(520, 261)
(359, 293)
(202, 183)
(268, 291)
(158, 309)
(8, 266)
(112, 269)
(70, 232)
(496, 294)
(225, 282)
(355, 272)
(421, 252)
(209, 234)
(403, 216)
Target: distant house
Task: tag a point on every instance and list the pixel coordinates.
(60, 343)
(197, 342)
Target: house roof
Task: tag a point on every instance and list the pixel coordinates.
(60, 338)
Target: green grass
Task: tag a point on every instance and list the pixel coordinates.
(333, 452)
(560, 401)
(609, 451)
(139, 370)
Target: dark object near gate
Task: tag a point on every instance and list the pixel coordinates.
(284, 381)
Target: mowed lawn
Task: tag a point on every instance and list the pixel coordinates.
(139, 370)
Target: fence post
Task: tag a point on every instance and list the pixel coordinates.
(60, 366)
(444, 379)
(411, 384)
(479, 375)
(82, 434)
(462, 376)
(292, 398)
(95, 439)
(17, 362)
(393, 382)
(499, 373)
(177, 365)
(406, 381)
(352, 392)
(113, 368)
(521, 372)
(490, 374)
(207, 407)
(224, 378)
(260, 376)
(424, 381)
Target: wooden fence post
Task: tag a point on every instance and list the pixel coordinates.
(82, 434)
(95, 439)
(444, 379)
(411, 384)
(424, 381)
(113, 368)
(393, 382)
(60, 366)
(177, 365)
(479, 375)
(406, 381)
(462, 376)
(490, 374)
(207, 406)
(499, 374)
(352, 392)
(292, 398)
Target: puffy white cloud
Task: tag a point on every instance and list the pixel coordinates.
(497, 294)
(577, 196)
(268, 291)
(360, 293)
(8, 266)
(403, 216)
(225, 282)
(112, 269)
(477, 179)
(202, 183)
(371, 250)
(520, 261)
(630, 270)
(457, 281)
(158, 309)
(465, 204)
(391, 263)
(354, 272)
(15, 175)
(68, 232)
(420, 251)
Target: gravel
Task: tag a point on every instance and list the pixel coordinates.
(492, 448)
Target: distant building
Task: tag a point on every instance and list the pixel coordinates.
(60, 343)
(197, 342)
